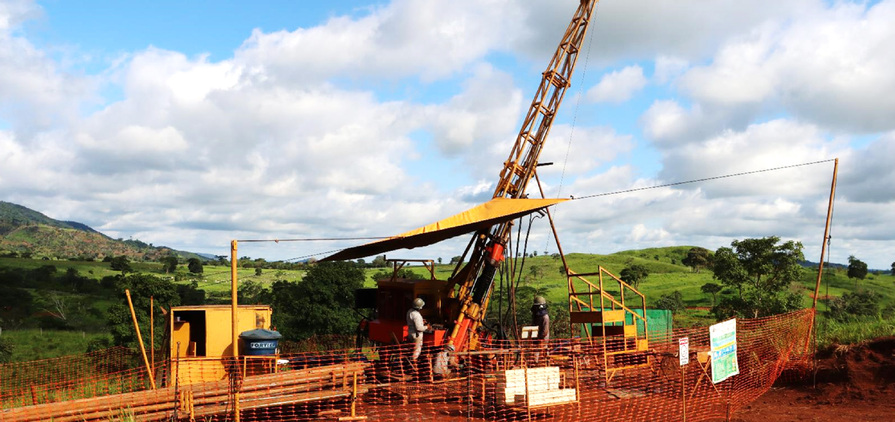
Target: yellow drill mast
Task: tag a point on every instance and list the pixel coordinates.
(476, 278)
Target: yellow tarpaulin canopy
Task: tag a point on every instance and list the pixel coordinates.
(483, 216)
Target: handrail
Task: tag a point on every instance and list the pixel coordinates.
(603, 293)
(604, 270)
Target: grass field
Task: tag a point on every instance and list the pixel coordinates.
(544, 273)
(35, 344)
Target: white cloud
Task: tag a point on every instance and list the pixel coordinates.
(762, 146)
(830, 66)
(868, 174)
(404, 38)
(668, 68)
(484, 112)
(35, 93)
(637, 29)
(665, 119)
(618, 86)
(396, 117)
(737, 73)
(14, 12)
(642, 235)
(579, 150)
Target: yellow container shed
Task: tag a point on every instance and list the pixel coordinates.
(201, 338)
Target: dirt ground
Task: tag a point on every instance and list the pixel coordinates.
(854, 383)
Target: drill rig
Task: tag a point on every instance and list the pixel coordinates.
(457, 307)
(474, 281)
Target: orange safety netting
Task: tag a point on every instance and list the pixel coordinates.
(565, 380)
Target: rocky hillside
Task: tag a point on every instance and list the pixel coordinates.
(25, 232)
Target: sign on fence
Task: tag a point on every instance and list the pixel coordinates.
(683, 346)
(723, 339)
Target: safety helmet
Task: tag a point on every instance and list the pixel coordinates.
(539, 300)
(418, 303)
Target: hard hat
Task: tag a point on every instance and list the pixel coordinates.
(539, 300)
(418, 303)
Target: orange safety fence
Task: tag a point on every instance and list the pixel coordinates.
(563, 380)
(41, 381)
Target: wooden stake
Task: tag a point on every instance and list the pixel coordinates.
(823, 250)
(130, 303)
(233, 319)
(152, 332)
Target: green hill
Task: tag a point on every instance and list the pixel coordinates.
(28, 233)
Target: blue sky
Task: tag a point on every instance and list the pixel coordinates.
(192, 123)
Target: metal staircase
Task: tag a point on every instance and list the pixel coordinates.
(601, 313)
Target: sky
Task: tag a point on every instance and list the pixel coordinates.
(189, 124)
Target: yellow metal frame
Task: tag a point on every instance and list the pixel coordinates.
(608, 312)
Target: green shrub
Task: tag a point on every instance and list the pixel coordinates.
(6, 348)
(674, 302)
(860, 303)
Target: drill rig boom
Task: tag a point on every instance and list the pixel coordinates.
(476, 278)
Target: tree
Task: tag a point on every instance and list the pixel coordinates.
(455, 259)
(141, 286)
(191, 294)
(893, 268)
(405, 273)
(169, 264)
(253, 293)
(120, 263)
(322, 303)
(712, 289)
(698, 258)
(195, 266)
(857, 269)
(634, 274)
(16, 305)
(258, 272)
(674, 302)
(761, 270)
(536, 272)
(379, 262)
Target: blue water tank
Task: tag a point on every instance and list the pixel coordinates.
(260, 342)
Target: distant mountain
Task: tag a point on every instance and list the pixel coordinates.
(25, 232)
(811, 264)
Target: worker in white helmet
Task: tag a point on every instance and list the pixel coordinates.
(416, 326)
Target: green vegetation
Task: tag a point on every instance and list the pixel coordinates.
(853, 330)
(674, 302)
(634, 274)
(322, 303)
(857, 269)
(35, 344)
(6, 350)
(699, 258)
(57, 307)
(25, 233)
(761, 271)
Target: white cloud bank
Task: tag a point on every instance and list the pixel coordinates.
(372, 125)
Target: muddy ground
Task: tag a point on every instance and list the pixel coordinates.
(853, 383)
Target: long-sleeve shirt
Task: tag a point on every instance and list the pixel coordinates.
(415, 323)
(543, 323)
